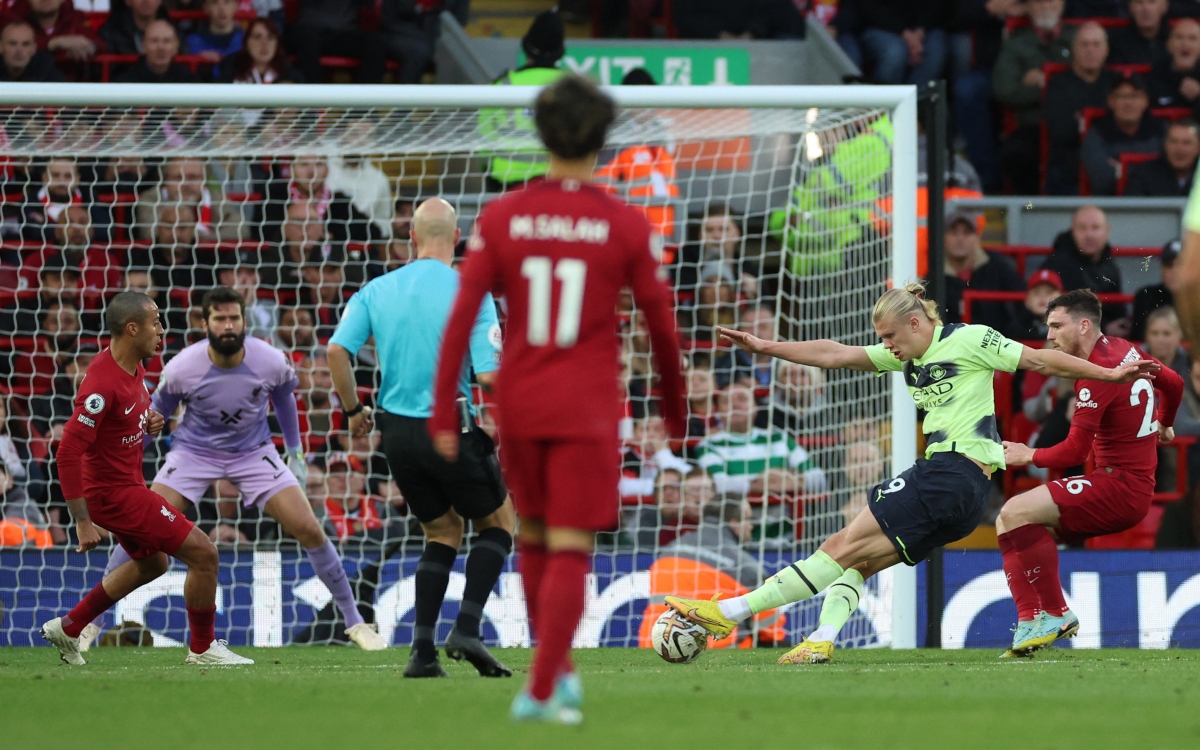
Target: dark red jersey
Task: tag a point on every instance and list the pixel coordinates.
(101, 446)
(561, 252)
(1117, 421)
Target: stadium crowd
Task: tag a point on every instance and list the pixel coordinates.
(297, 236)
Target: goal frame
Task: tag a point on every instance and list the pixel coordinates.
(901, 101)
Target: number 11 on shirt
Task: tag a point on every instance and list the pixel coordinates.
(571, 273)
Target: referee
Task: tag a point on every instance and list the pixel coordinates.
(406, 311)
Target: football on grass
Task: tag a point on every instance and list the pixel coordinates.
(676, 640)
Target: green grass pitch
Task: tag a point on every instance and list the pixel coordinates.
(342, 699)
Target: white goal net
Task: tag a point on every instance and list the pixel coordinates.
(782, 211)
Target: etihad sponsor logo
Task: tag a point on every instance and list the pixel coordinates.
(562, 228)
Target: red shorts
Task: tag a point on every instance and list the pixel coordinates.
(1106, 501)
(142, 521)
(564, 482)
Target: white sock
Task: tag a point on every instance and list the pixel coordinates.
(735, 609)
(824, 633)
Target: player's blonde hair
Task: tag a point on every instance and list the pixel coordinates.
(902, 302)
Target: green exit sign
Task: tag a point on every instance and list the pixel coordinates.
(670, 65)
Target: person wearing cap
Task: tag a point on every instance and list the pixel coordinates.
(1153, 296)
(969, 266)
(1085, 84)
(1172, 173)
(1127, 128)
(543, 46)
(1030, 323)
(406, 312)
(1175, 82)
(1083, 259)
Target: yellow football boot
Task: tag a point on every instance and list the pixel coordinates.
(706, 614)
(809, 652)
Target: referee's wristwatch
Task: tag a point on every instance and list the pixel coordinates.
(355, 411)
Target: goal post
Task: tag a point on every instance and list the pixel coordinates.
(825, 222)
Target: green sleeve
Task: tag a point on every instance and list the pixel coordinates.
(1191, 214)
(883, 360)
(988, 349)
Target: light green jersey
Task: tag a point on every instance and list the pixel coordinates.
(952, 384)
(1191, 214)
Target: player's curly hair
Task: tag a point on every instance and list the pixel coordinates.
(572, 116)
(903, 301)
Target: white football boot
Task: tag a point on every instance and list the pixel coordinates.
(367, 638)
(68, 647)
(217, 655)
(88, 637)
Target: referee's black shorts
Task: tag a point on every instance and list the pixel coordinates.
(472, 486)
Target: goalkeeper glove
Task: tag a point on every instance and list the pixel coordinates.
(298, 465)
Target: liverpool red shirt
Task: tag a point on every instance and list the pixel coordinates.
(561, 252)
(102, 443)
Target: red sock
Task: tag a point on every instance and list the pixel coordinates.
(89, 608)
(200, 624)
(561, 607)
(1023, 593)
(1039, 558)
(532, 563)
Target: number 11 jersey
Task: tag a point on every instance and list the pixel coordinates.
(561, 252)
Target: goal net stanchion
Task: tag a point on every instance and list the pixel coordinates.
(825, 222)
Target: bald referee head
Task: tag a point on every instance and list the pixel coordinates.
(435, 230)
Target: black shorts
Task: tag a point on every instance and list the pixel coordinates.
(937, 501)
(472, 486)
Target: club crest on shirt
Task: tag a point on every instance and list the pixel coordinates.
(94, 403)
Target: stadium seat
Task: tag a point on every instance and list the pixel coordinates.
(1128, 160)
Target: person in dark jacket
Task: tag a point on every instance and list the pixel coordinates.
(59, 28)
(1127, 128)
(23, 61)
(157, 63)
(1083, 259)
(1170, 175)
(904, 42)
(410, 31)
(969, 266)
(1085, 84)
(331, 27)
(127, 22)
(1144, 40)
(720, 19)
(1152, 297)
(1175, 82)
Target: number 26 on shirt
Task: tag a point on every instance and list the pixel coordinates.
(571, 273)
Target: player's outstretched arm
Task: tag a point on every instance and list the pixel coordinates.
(823, 353)
(1051, 362)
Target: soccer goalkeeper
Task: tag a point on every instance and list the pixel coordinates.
(940, 499)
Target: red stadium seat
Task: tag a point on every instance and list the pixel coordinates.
(1128, 160)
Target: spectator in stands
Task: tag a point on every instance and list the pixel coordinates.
(862, 468)
(715, 304)
(736, 365)
(1175, 82)
(261, 314)
(262, 58)
(23, 61)
(295, 332)
(319, 402)
(1164, 340)
(331, 27)
(718, 254)
(701, 396)
(800, 405)
(59, 27)
(752, 460)
(1085, 84)
(58, 332)
(353, 174)
(969, 266)
(157, 64)
(647, 454)
(1083, 259)
(305, 181)
(903, 42)
(50, 412)
(1018, 82)
(1144, 40)
(124, 31)
(322, 291)
(1171, 174)
(176, 263)
(351, 510)
(410, 31)
(184, 182)
(682, 493)
(219, 36)
(1150, 298)
(1030, 324)
(58, 190)
(56, 282)
(715, 19)
(1127, 128)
